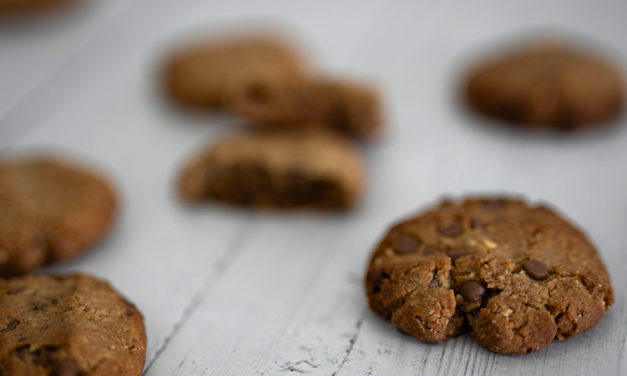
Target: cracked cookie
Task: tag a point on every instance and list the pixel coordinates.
(548, 86)
(517, 276)
(68, 325)
(49, 211)
(200, 74)
(345, 106)
(276, 169)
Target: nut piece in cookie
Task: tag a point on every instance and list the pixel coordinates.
(551, 86)
(276, 169)
(49, 211)
(198, 75)
(68, 325)
(345, 106)
(518, 275)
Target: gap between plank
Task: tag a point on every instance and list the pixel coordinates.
(351, 342)
(232, 251)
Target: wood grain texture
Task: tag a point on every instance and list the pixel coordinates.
(227, 291)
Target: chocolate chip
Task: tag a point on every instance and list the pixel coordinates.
(472, 291)
(456, 253)
(375, 277)
(451, 230)
(39, 306)
(535, 269)
(11, 324)
(406, 244)
(429, 250)
(66, 367)
(475, 223)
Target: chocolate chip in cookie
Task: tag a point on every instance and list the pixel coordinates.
(472, 291)
(535, 269)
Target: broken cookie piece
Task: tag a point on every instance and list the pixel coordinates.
(346, 106)
(73, 325)
(276, 169)
(518, 275)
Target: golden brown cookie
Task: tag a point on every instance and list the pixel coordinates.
(276, 169)
(345, 106)
(199, 75)
(49, 211)
(518, 276)
(73, 325)
(547, 86)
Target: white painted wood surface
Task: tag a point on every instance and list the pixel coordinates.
(227, 291)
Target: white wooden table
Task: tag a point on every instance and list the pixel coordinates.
(227, 291)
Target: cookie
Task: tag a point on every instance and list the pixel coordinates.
(516, 275)
(68, 325)
(21, 7)
(199, 75)
(49, 211)
(276, 169)
(547, 86)
(344, 106)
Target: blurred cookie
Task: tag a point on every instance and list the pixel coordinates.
(547, 86)
(517, 275)
(276, 169)
(349, 107)
(199, 74)
(73, 325)
(19, 7)
(49, 211)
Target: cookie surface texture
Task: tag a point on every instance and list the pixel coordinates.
(517, 276)
(276, 170)
(548, 86)
(73, 325)
(50, 210)
(200, 74)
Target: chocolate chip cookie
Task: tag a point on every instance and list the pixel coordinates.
(276, 169)
(50, 210)
(345, 106)
(516, 275)
(68, 325)
(548, 86)
(198, 75)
